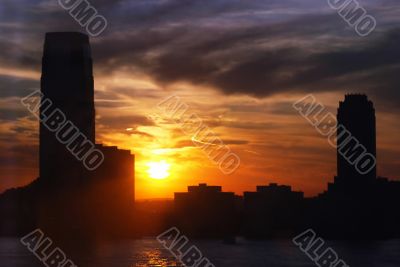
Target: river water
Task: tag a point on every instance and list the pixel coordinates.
(148, 252)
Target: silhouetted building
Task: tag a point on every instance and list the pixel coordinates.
(356, 149)
(67, 80)
(272, 211)
(68, 200)
(117, 173)
(356, 204)
(358, 137)
(103, 198)
(206, 211)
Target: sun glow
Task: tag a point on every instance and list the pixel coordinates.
(158, 170)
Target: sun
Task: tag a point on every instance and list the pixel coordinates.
(158, 170)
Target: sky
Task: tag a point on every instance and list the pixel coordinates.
(238, 65)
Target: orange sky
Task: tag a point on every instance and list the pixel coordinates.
(273, 142)
(238, 65)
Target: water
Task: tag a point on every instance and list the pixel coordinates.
(148, 252)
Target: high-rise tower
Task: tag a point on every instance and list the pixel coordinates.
(67, 80)
(356, 141)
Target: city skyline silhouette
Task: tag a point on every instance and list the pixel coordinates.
(108, 192)
(208, 133)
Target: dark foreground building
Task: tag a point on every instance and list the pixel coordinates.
(67, 81)
(272, 211)
(69, 199)
(357, 205)
(206, 211)
(356, 135)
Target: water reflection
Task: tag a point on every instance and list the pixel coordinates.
(149, 253)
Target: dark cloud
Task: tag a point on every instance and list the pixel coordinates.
(124, 122)
(257, 48)
(262, 56)
(12, 114)
(19, 155)
(293, 69)
(13, 86)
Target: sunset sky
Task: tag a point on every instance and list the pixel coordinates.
(238, 65)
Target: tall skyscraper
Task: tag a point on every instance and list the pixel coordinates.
(67, 80)
(356, 137)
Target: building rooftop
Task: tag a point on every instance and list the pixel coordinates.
(204, 188)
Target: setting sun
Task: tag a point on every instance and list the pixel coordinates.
(158, 170)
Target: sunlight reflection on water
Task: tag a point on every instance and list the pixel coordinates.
(155, 258)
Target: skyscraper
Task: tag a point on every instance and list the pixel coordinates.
(67, 80)
(356, 139)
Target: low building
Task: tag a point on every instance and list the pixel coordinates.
(272, 211)
(206, 211)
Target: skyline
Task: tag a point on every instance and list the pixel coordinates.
(259, 125)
